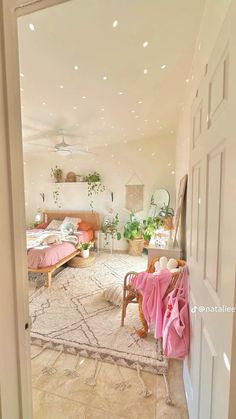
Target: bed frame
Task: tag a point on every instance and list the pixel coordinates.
(87, 216)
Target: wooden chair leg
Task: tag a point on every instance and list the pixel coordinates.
(124, 305)
(142, 333)
(48, 279)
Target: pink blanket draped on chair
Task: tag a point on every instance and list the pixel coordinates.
(153, 287)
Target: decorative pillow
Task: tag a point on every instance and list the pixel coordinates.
(83, 226)
(68, 227)
(71, 220)
(114, 294)
(41, 225)
(54, 225)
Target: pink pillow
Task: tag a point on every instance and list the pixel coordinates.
(42, 225)
(83, 226)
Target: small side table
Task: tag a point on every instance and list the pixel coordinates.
(100, 237)
(154, 251)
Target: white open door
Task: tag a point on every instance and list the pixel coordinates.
(211, 233)
(15, 373)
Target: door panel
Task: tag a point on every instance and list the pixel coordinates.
(212, 237)
(215, 183)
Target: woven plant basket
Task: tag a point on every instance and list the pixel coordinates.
(136, 247)
(79, 262)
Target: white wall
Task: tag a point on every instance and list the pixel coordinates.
(147, 159)
(214, 15)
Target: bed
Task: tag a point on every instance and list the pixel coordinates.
(47, 259)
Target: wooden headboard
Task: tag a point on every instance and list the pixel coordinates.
(90, 217)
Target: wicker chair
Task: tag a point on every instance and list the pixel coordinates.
(132, 296)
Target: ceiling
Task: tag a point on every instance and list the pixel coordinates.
(106, 71)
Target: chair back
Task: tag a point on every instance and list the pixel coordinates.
(175, 275)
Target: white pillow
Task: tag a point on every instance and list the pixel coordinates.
(54, 225)
(114, 294)
(71, 220)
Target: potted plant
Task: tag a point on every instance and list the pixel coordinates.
(150, 225)
(167, 213)
(110, 228)
(56, 173)
(95, 186)
(84, 248)
(133, 232)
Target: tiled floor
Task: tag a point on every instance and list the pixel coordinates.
(60, 397)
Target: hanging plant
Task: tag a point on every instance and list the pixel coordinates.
(94, 186)
(56, 197)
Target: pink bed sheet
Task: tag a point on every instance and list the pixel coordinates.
(85, 236)
(48, 256)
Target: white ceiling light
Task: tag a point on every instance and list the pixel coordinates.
(31, 26)
(145, 44)
(104, 77)
(187, 81)
(145, 71)
(22, 75)
(83, 97)
(76, 67)
(102, 109)
(121, 93)
(173, 172)
(74, 107)
(21, 89)
(140, 149)
(163, 66)
(61, 86)
(115, 24)
(44, 103)
(133, 111)
(139, 102)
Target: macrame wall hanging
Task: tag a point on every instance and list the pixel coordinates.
(134, 194)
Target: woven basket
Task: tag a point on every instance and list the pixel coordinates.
(136, 247)
(79, 262)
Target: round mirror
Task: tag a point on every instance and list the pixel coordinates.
(160, 198)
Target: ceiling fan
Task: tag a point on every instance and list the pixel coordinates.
(63, 148)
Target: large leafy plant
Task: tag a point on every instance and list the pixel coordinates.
(150, 225)
(133, 228)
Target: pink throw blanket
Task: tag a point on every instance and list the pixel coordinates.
(153, 287)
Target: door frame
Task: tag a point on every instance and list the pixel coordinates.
(16, 394)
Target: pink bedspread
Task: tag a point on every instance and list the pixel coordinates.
(42, 258)
(153, 287)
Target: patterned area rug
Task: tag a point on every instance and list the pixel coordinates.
(74, 315)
